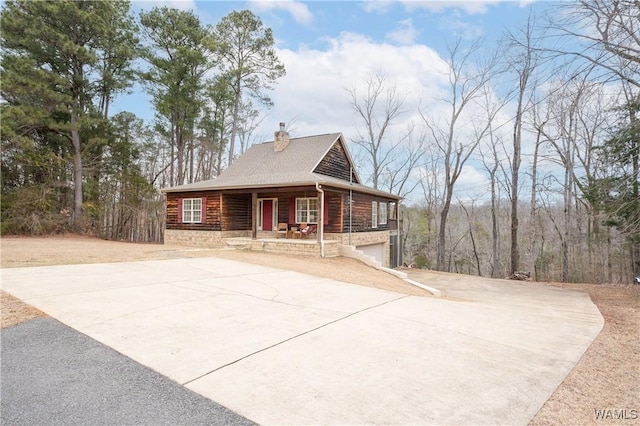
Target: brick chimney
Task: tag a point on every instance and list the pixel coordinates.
(281, 139)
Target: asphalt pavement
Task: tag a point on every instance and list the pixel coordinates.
(53, 375)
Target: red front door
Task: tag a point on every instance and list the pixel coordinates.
(267, 215)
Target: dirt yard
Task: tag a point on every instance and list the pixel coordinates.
(607, 378)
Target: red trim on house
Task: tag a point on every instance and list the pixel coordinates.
(204, 209)
(179, 210)
(292, 210)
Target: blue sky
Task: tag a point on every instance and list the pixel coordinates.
(328, 47)
(333, 30)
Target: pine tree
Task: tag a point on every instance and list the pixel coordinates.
(53, 67)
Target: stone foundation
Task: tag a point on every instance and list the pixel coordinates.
(213, 239)
(281, 245)
(242, 240)
(360, 238)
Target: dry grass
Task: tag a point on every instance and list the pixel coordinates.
(15, 311)
(607, 377)
(72, 249)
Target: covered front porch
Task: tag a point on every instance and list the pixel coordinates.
(270, 219)
(293, 210)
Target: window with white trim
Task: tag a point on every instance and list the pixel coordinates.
(192, 210)
(374, 214)
(383, 213)
(307, 210)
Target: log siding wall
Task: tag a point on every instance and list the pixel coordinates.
(361, 211)
(236, 212)
(231, 211)
(212, 218)
(334, 209)
(336, 164)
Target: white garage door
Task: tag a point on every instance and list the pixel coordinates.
(375, 250)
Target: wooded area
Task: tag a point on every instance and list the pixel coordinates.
(563, 167)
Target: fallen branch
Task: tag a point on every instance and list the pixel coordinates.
(520, 276)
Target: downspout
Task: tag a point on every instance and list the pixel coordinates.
(321, 221)
(350, 201)
(399, 243)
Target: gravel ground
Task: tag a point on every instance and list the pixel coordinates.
(607, 378)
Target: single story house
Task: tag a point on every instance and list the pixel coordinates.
(294, 181)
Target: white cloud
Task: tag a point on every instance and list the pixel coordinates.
(472, 185)
(313, 97)
(471, 7)
(314, 89)
(377, 6)
(526, 3)
(174, 4)
(457, 25)
(472, 181)
(405, 34)
(298, 11)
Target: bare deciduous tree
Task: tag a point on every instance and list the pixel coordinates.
(397, 176)
(379, 107)
(523, 60)
(491, 161)
(466, 84)
(601, 33)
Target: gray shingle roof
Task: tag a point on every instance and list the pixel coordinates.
(301, 155)
(260, 166)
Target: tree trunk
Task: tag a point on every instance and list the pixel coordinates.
(567, 226)
(77, 173)
(180, 151)
(473, 240)
(219, 162)
(441, 261)
(532, 208)
(494, 223)
(172, 175)
(515, 251)
(191, 159)
(234, 124)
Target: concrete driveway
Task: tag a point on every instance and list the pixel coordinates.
(281, 347)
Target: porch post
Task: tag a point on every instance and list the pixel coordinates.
(320, 232)
(399, 242)
(254, 215)
(321, 218)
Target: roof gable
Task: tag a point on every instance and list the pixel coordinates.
(301, 155)
(337, 163)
